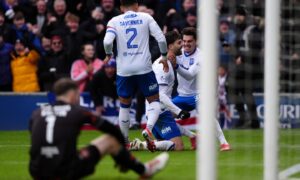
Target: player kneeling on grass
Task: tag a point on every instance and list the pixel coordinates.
(166, 130)
(54, 131)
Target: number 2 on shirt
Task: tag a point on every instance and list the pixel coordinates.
(132, 31)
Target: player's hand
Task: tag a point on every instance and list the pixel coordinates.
(172, 58)
(99, 110)
(184, 114)
(164, 62)
(107, 59)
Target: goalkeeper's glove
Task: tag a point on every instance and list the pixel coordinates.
(183, 114)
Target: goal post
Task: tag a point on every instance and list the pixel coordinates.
(272, 61)
(207, 41)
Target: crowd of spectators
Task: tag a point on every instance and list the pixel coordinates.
(56, 30)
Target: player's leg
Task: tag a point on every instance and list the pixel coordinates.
(185, 103)
(185, 132)
(125, 90)
(224, 145)
(107, 144)
(167, 130)
(149, 87)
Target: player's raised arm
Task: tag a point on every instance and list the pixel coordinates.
(157, 33)
(109, 38)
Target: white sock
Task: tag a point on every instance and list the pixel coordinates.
(184, 131)
(124, 122)
(152, 113)
(164, 145)
(220, 134)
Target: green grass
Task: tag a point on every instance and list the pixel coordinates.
(245, 161)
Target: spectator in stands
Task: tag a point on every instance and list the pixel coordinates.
(40, 19)
(5, 70)
(56, 20)
(74, 38)
(255, 55)
(4, 26)
(177, 20)
(240, 79)
(7, 7)
(104, 84)
(84, 69)
(54, 65)
(19, 30)
(109, 9)
(227, 40)
(24, 68)
(93, 31)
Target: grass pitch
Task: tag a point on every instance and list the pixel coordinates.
(245, 161)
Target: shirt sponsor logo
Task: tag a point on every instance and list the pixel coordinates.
(192, 60)
(152, 87)
(166, 130)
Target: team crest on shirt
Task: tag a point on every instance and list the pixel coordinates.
(192, 60)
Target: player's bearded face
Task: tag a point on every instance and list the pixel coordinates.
(177, 47)
(189, 43)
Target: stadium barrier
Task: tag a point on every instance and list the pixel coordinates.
(16, 108)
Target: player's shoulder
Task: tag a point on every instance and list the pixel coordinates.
(144, 15)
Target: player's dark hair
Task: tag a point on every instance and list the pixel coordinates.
(63, 85)
(128, 2)
(190, 31)
(171, 37)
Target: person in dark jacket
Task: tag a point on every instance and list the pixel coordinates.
(19, 30)
(104, 84)
(5, 70)
(54, 65)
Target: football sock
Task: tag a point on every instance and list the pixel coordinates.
(164, 145)
(220, 134)
(184, 131)
(127, 161)
(152, 113)
(160, 145)
(124, 122)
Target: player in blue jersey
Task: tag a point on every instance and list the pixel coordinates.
(188, 67)
(131, 30)
(166, 130)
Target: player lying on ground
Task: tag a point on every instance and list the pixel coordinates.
(131, 31)
(54, 132)
(187, 68)
(166, 130)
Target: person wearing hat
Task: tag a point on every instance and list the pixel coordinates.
(24, 68)
(54, 65)
(103, 85)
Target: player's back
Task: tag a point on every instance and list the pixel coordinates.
(132, 30)
(54, 131)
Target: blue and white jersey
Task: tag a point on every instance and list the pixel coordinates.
(132, 30)
(188, 68)
(163, 78)
(165, 81)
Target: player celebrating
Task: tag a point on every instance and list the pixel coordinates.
(188, 66)
(166, 128)
(54, 131)
(134, 68)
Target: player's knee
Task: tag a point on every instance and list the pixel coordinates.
(178, 144)
(153, 98)
(107, 144)
(125, 102)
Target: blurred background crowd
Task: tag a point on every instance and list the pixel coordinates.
(44, 40)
